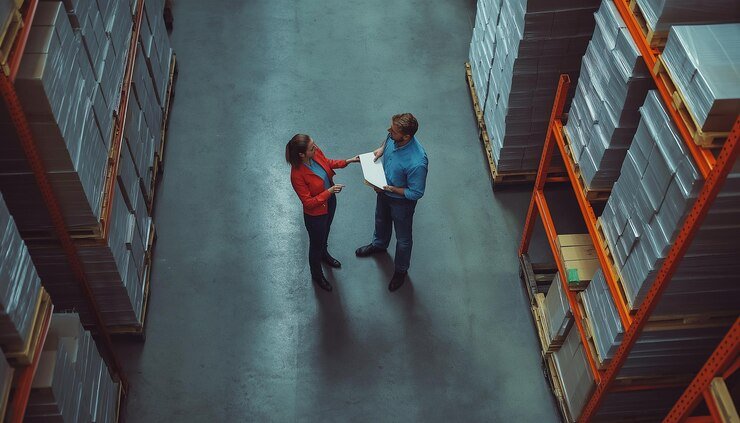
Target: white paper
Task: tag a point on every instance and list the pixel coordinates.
(373, 171)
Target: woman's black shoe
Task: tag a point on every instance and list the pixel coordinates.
(323, 283)
(331, 261)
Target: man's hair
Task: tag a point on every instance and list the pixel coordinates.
(295, 147)
(407, 123)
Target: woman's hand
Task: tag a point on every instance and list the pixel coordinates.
(336, 189)
(355, 159)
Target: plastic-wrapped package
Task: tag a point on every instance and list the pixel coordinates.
(704, 63)
(662, 14)
(482, 45)
(647, 209)
(19, 285)
(532, 43)
(559, 315)
(604, 113)
(575, 375)
(602, 314)
(70, 84)
(72, 383)
(55, 92)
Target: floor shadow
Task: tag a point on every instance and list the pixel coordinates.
(334, 335)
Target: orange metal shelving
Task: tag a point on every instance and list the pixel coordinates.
(713, 168)
(723, 363)
(633, 324)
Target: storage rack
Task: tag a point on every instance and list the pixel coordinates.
(21, 124)
(713, 168)
(710, 384)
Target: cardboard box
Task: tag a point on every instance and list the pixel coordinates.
(573, 240)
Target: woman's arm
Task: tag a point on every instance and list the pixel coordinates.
(304, 194)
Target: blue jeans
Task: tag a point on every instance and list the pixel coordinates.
(318, 236)
(399, 213)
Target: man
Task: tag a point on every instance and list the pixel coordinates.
(405, 163)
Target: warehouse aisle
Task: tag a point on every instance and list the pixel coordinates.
(236, 331)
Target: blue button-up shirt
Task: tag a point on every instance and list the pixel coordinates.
(406, 167)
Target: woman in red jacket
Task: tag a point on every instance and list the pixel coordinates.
(311, 174)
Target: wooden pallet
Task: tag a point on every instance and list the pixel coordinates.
(701, 138)
(557, 388)
(158, 165)
(656, 39)
(592, 195)
(536, 277)
(543, 329)
(119, 403)
(8, 33)
(170, 96)
(25, 356)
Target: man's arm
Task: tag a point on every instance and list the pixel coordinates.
(379, 151)
(417, 181)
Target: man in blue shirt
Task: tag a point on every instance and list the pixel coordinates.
(405, 163)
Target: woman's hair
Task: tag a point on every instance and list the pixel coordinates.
(296, 146)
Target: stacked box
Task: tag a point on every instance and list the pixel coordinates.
(54, 88)
(482, 46)
(657, 187)
(156, 44)
(533, 43)
(70, 85)
(105, 29)
(557, 311)
(703, 62)
(647, 209)
(575, 375)
(638, 406)
(19, 286)
(72, 383)
(604, 114)
(660, 15)
(579, 258)
(601, 312)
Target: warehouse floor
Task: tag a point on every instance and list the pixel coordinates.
(235, 330)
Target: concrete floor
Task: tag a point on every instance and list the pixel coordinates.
(236, 331)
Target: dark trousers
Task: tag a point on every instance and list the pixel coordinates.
(395, 213)
(318, 236)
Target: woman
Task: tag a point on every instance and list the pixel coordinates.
(311, 175)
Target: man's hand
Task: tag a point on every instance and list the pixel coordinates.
(378, 190)
(355, 159)
(378, 153)
(395, 190)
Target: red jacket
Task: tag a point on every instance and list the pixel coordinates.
(310, 187)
